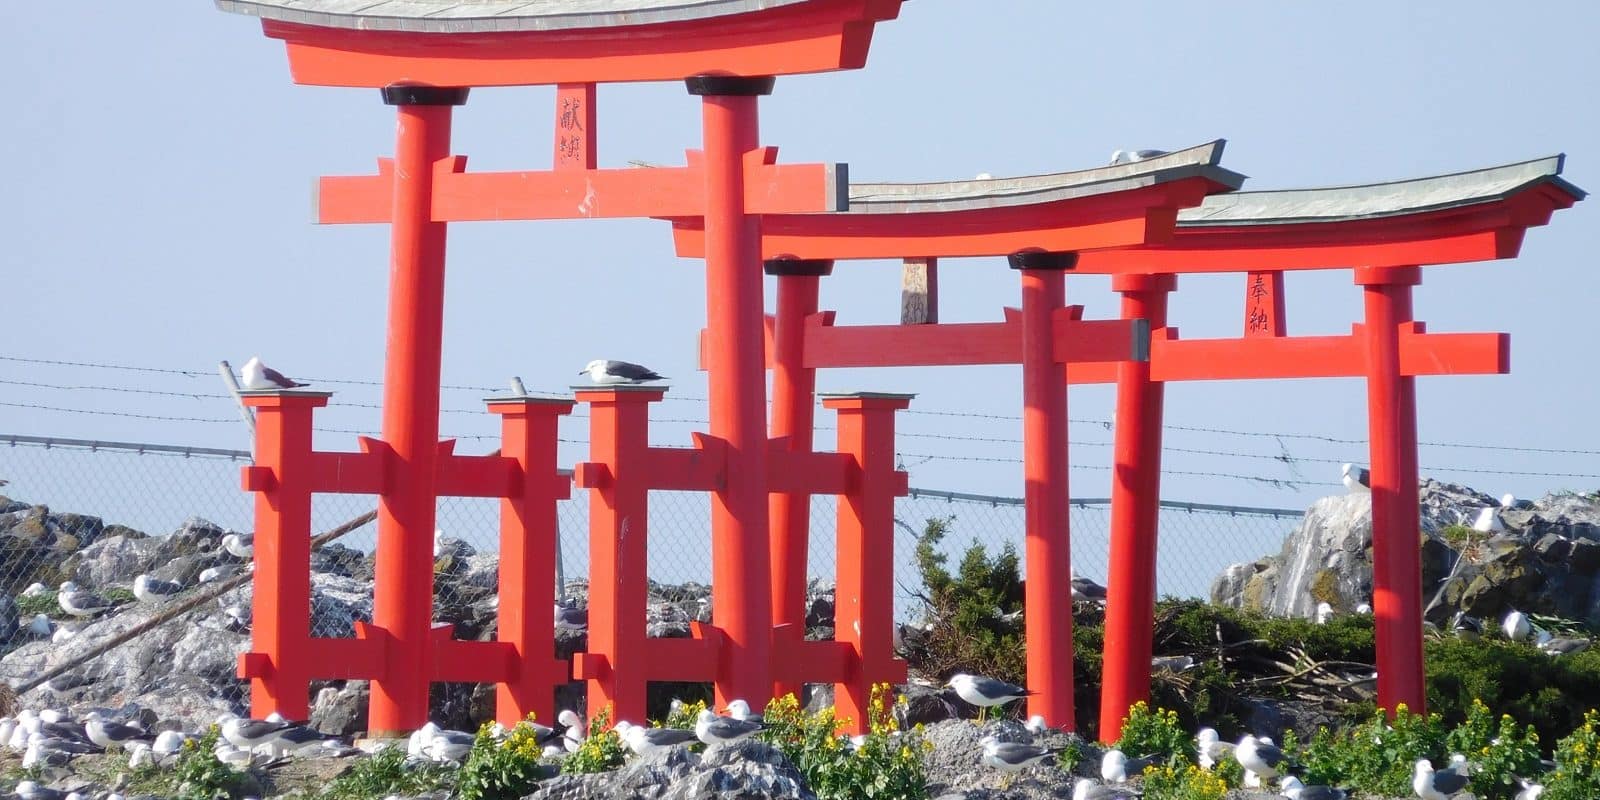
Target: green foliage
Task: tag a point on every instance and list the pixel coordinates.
(976, 611)
(886, 765)
(118, 595)
(198, 775)
(602, 751)
(1377, 756)
(502, 770)
(1500, 753)
(1230, 771)
(1513, 678)
(1577, 774)
(1187, 782)
(1459, 536)
(1156, 733)
(28, 606)
(384, 774)
(685, 716)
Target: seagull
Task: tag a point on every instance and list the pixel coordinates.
(170, 742)
(1115, 767)
(29, 790)
(1292, 788)
(1488, 520)
(983, 692)
(643, 741)
(740, 710)
(1465, 627)
(1529, 791)
(1131, 156)
(241, 545)
(417, 743)
(246, 734)
(41, 626)
(236, 618)
(210, 574)
(1209, 749)
(1036, 725)
(450, 745)
(1013, 756)
(35, 589)
(81, 603)
(984, 176)
(1431, 785)
(1085, 789)
(1516, 626)
(1563, 646)
(604, 371)
(712, 729)
(1357, 479)
(1324, 613)
(571, 619)
(106, 733)
(1087, 591)
(1364, 608)
(1172, 663)
(1259, 756)
(140, 755)
(574, 734)
(259, 376)
(153, 590)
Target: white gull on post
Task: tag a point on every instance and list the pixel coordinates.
(603, 370)
(260, 377)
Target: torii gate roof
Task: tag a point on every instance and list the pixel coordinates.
(528, 42)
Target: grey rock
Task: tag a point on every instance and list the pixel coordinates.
(9, 617)
(747, 769)
(342, 710)
(926, 705)
(114, 559)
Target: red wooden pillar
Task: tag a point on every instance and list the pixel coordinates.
(528, 544)
(864, 598)
(1396, 523)
(1048, 553)
(612, 664)
(793, 424)
(280, 638)
(1135, 509)
(736, 374)
(403, 591)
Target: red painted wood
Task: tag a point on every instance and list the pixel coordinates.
(864, 592)
(792, 428)
(1263, 304)
(575, 140)
(1135, 506)
(961, 343)
(818, 36)
(742, 605)
(281, 655)
(528, 542)
(1048, 546)
(410, 423)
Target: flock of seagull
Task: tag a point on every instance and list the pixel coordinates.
(1260, 758)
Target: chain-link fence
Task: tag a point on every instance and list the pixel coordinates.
(158, 489)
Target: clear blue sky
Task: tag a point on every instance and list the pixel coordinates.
(157, 204)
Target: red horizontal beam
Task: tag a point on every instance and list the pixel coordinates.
(808, 472)
(822, 661)
(690, 659)
(701, 468)
(968, 343)
(461, 661)
(461, 196)
(479, 476)
(1253, 358)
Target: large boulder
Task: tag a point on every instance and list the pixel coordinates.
(748, 770)
(1546, 561)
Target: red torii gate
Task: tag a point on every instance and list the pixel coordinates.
(1041, 222)
(1388, 229)
(423, 57)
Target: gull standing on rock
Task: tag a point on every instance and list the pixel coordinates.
(1488, 521)
(1013, 756)
(258, 377)
(1086, 789)
(247, 734)
(1440, 785)
(1324, 613)
(1292, 788)
(241, 545)
(712, 729)
(606, 371)
(984, 692)
(1259, 757)
(106, 732)
(1116, 767)
(643, 741)
(81, 603)
(154, 590)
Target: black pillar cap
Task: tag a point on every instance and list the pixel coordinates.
(789, 265)
(730, 85)
(1059, 261)
(407, 94)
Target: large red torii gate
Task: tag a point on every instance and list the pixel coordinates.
(1042, 222)
(424, 56)
(1386, 230)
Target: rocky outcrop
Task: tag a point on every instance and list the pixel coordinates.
(1546, 561)
(747, 769)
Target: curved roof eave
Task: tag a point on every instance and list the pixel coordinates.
(1376, 200)
(492, 16)
(983, 193)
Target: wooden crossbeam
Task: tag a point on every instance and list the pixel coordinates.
(569, 193)
(968, 343)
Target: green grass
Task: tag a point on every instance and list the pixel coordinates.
(386, 773)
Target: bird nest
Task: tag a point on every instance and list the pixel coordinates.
(8, 699)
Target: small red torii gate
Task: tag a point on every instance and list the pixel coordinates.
(1041, 222)
(1451, 218)
(727, 52)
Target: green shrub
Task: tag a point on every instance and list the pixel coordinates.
(502, 770)
(602, 751)
(1500, 753)
(384, 774)
(1513, 678)
(887, 765)
(685, 716)
(1188, 782)
(975, 612)
(198, 775)
(1156, 733)
(1577, 774)
(119, 595)
(30, 605)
